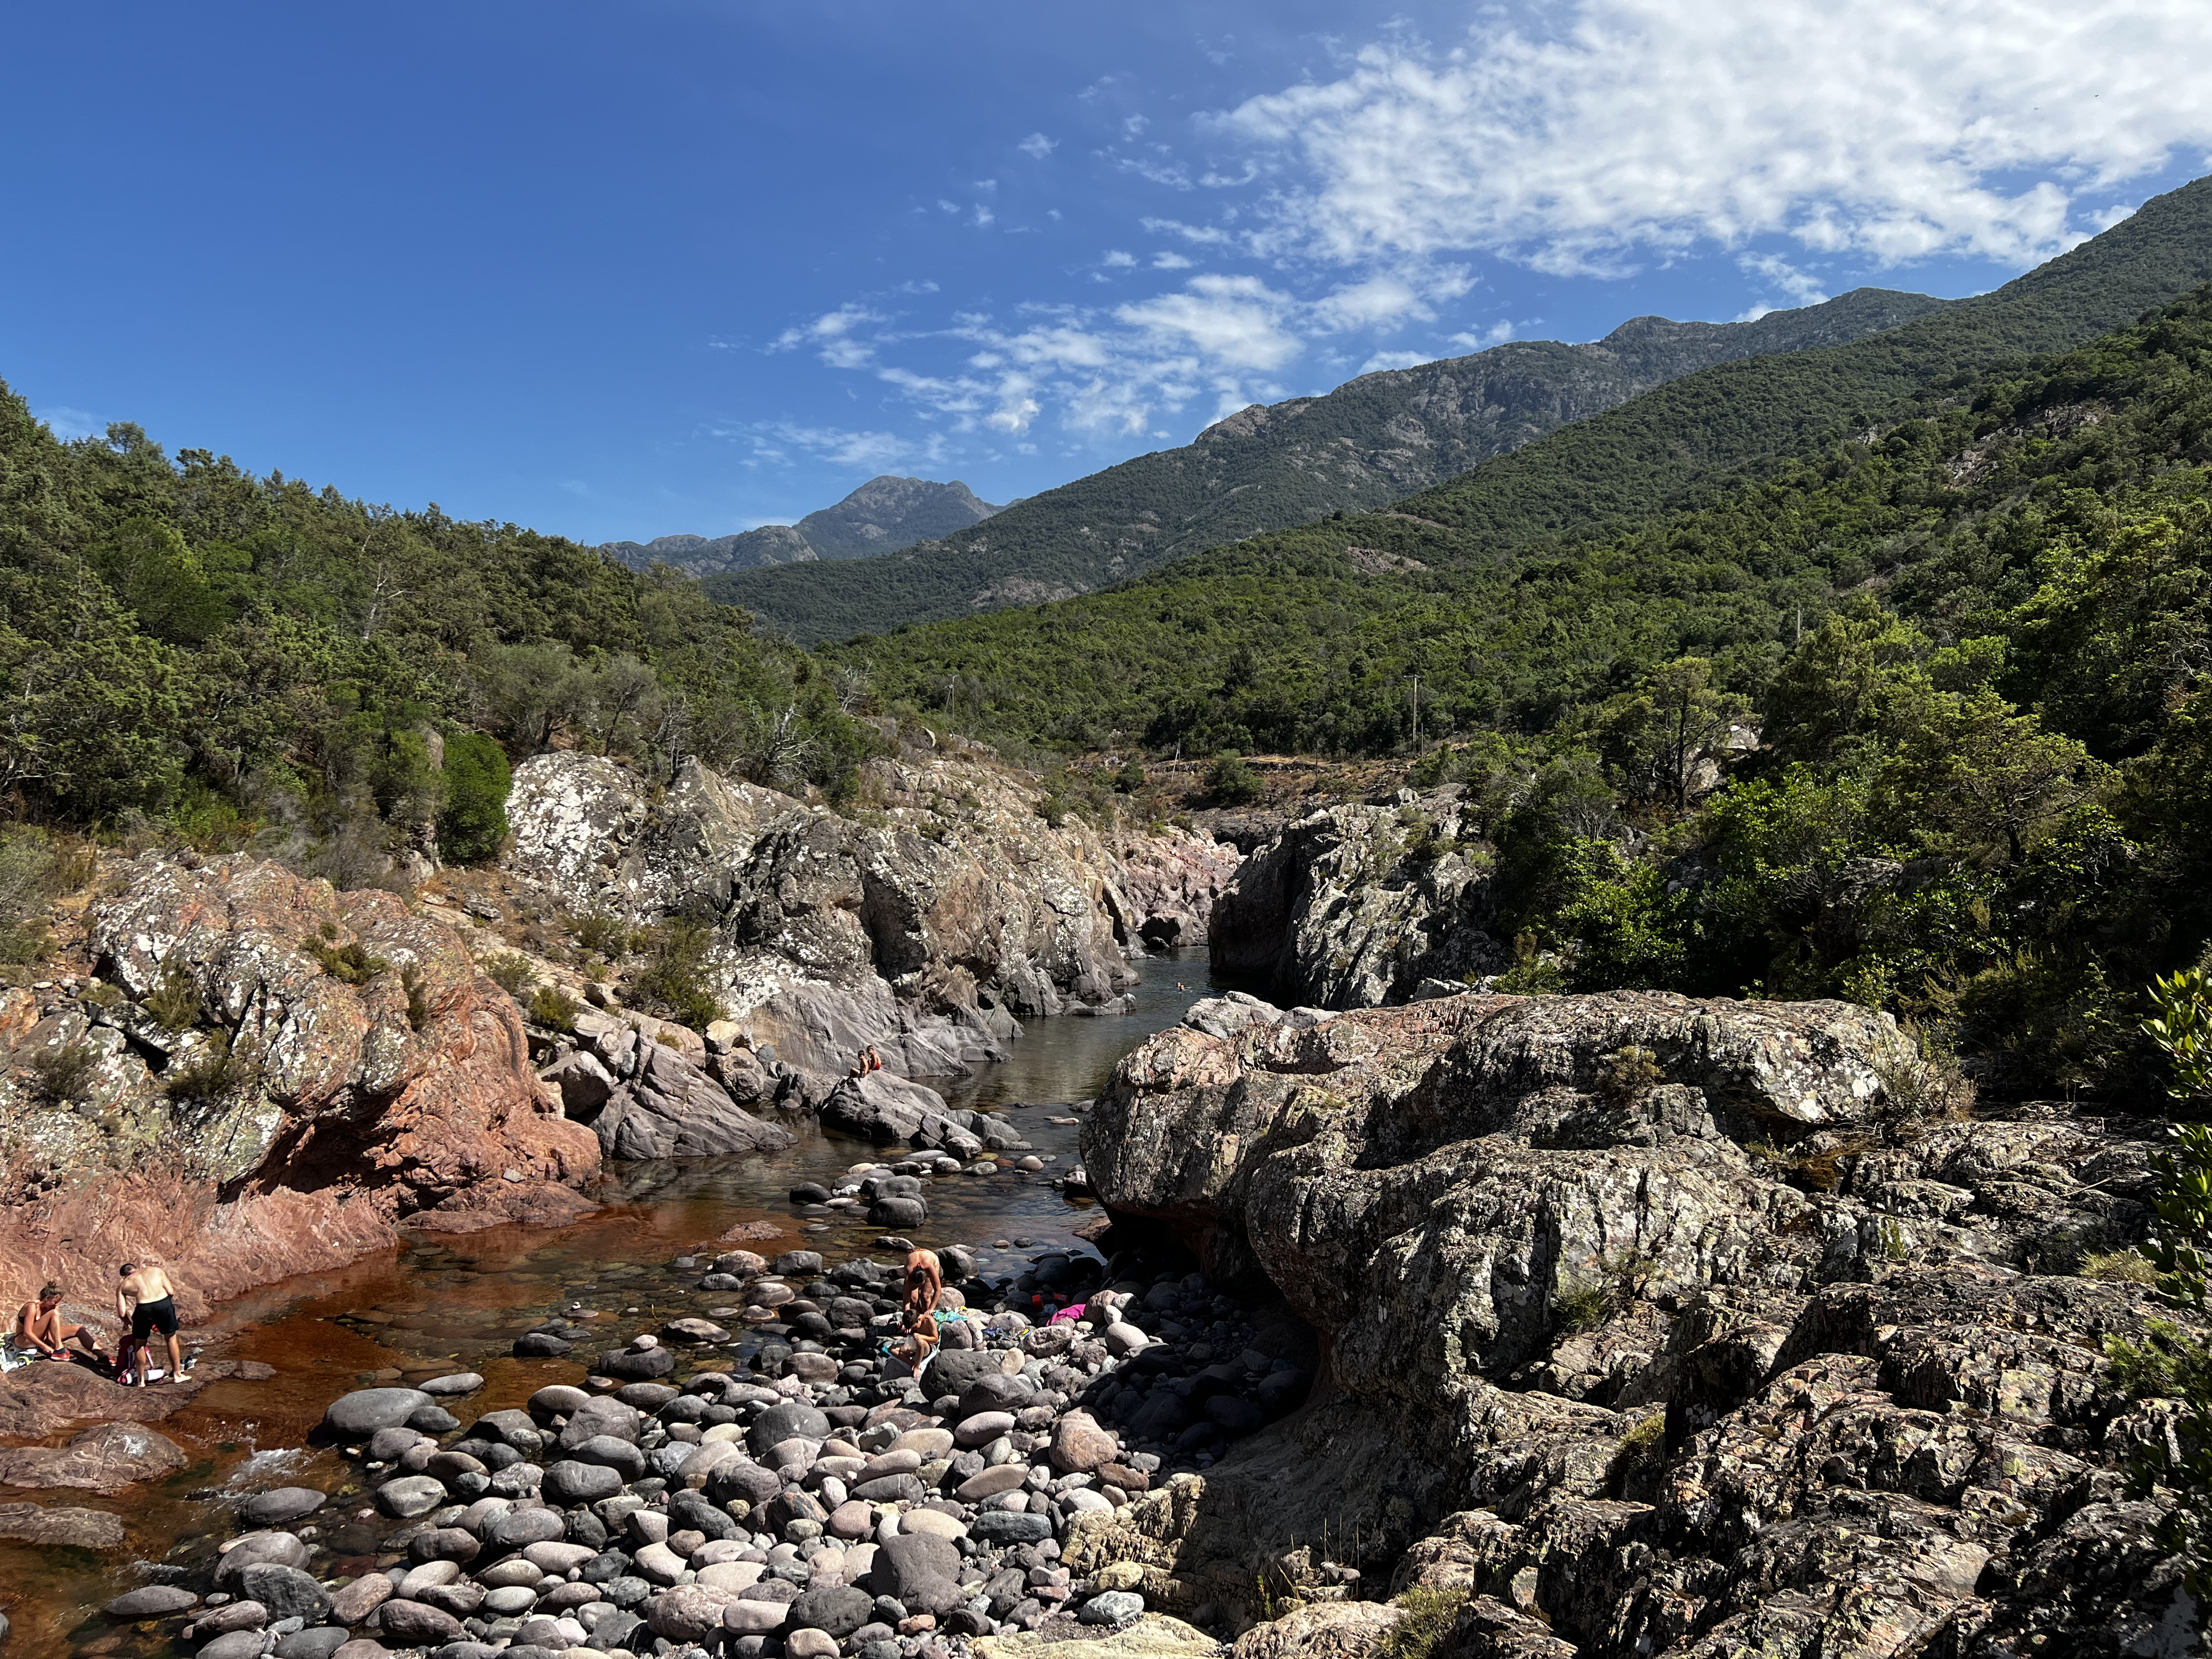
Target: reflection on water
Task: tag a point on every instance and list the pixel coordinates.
(445, 1302)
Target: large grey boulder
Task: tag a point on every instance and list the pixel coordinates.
(672, 1108)
(365, 1411)
(879, 1106)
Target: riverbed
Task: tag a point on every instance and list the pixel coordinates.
(444, 1302)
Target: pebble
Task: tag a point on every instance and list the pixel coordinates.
(667, 1509)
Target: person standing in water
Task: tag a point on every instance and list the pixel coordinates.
(145, 1296)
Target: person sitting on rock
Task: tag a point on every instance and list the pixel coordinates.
(145, 1296)
(41, 1332)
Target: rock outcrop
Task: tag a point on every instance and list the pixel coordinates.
(926, 925)
(1651, 1326)
(1354, 906)
(269, 1075)
(1172, 880)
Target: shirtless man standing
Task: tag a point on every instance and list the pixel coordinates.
(156, 1309)
(40, 1327)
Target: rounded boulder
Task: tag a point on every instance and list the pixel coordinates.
(365, 1411)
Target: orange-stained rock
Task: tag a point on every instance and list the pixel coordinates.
(354, 1117)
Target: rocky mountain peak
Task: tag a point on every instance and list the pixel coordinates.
(886, 515)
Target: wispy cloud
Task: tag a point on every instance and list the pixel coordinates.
(783, 441)
(1345, 217)
(835, 337)
(68, 424)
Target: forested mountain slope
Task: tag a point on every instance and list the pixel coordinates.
(1583, 476)
(1364, 445)
(1624, 460)
(1975, 641)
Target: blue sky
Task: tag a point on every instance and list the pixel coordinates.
(622, 270)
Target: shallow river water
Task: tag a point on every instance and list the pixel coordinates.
(447, 1302)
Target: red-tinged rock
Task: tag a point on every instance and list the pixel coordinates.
(105, 1459)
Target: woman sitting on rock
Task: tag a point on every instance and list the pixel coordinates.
(41, 1332)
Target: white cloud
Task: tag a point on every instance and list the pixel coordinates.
(833, 335)
(1802, 287)
(1235, 321)
(1482, 340)
(1805, 141)
(1382, 360)
(775, 442)
(68, 424)
(1889, 130)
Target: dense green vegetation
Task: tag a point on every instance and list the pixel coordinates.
(237, 661)
(1974, 641)
(1306, 460)
(1363, 445)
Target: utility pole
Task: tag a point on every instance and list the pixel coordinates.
(1417, 713)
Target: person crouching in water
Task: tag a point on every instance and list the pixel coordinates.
(144, 1296)
(40, 1332)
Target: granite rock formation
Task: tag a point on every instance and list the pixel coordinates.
(266, 1077)
(928, 924)
(1653, 1326)
(1354, 906)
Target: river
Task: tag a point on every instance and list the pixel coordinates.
(444, 1302)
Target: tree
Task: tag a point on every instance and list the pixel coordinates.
(472, 823)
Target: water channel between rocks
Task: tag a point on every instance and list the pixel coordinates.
(447, 1302)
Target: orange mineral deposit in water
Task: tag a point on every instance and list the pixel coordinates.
(447, 1302)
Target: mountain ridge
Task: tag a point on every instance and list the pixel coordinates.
(885, 515)
(1371, 441)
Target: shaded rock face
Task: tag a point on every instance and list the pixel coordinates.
(927, 930)
(1352, 907)
(1730, 1361)
(342, 1109)
(1172, 880)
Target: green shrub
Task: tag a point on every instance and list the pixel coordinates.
(1580, 1304)
(30, 877)
(349, 962)
(175, 1002)
(1426, 1618)
(210, 1071)
(553, 1008)
(1231, 782)
(670, 985)
(2120, 1267)
(1628, 1075)
(1130, 779)
(418, 997)
(595, 930)
(509, 970)
(473, 822)
(1641, 1452)
(64, 1073)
